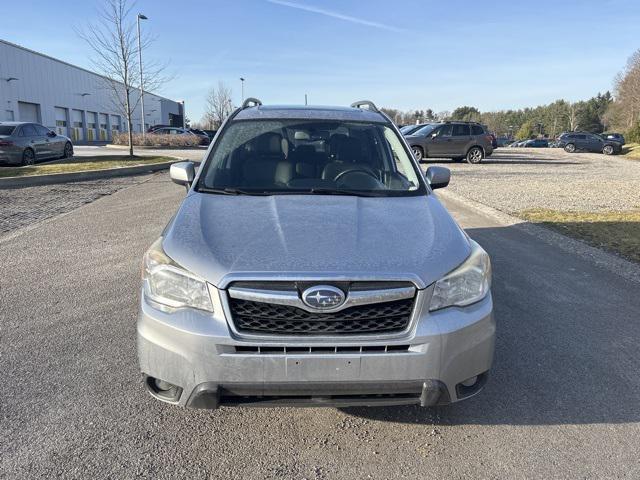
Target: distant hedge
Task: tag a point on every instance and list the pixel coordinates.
(154, 140)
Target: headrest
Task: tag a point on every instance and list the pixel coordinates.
(270, 143)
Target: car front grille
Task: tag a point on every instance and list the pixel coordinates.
(262, 317)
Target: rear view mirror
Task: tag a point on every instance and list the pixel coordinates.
(438, 177)
(182, 173)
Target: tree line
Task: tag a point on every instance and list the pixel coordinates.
(619, 112)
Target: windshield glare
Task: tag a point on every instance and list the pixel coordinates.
(307, 157)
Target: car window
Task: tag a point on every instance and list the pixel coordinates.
(445, 131)
(29, 131)
(6, 129)
(460, 130)
(476, 130)
(581, 137)
(354, 158)
(426, 130)
(41, 130)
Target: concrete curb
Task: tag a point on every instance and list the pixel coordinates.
(154, 147)
(35, 180)
(609, 261)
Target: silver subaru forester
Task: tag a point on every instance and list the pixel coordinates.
(311, 264)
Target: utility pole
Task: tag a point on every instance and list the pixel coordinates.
(141, 17)
(242, 89)
(305, 99)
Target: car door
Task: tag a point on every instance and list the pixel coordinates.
(438, 143)
(34, 140)
(595, 143)
(51, 146)
(460, 140)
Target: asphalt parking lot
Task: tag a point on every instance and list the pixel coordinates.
(562, 401)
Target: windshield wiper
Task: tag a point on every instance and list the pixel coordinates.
(340, 191)
(230, 191)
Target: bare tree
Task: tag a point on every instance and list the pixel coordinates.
(218, 106)
(114, 43)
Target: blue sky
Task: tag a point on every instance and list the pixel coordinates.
(411, 54)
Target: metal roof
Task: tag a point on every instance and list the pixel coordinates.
(308, 112)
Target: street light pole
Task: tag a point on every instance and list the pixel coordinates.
(184, 116)
(242, 89)
(141, 17)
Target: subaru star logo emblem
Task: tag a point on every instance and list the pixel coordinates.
(323, 297)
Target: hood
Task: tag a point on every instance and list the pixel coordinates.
(222, 237)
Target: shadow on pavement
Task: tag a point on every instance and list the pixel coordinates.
(567, 342)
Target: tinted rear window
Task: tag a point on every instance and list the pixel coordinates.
(6, 129)
(461, 130)
(29, 131)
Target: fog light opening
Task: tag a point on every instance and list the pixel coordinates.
(162, 389)
(470, 382)
(471, 385)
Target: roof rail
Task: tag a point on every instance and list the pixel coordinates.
(255, 101)
(368, 103)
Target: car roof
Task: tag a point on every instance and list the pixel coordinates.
(308, 112)
(14, 124)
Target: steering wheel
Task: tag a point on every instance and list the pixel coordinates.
(355, 170)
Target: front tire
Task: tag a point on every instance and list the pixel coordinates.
(607, 150)
(475, 155)
(28, 157)
(68, 150)
(417, 152)
(570, 148)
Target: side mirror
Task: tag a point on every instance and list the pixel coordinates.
(52, 134)
(434, 134)
(183, 173)
(438, 177)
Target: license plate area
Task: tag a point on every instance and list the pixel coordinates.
(303, 368)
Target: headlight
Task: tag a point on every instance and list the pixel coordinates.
(168, 284)
(467, 284)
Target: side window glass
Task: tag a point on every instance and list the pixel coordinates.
(461, 130)
(445, 131)
(41, 130)
(29, 131)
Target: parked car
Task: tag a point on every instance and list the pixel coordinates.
(153, 128)
(618, 137)
(25, 143)
(210, 133)
(204, 138)
(590, 142)
(295, 275)
(455, 140)
(504, 141)
(536, 143)
(409, 129)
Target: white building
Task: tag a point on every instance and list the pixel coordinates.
(69, 99)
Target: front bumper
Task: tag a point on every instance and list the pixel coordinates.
(210, 366)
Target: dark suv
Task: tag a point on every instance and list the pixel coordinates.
(590, 142)
(455, 140)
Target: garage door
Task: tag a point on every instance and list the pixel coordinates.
(29, 112)
(61, 121)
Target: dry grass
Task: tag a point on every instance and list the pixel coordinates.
(154, 140)
(81, 164)
(618, 232)
(631, 150)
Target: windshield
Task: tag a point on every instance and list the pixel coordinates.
(309, 157)
(6, 129)
(426, 130)
(409, 129)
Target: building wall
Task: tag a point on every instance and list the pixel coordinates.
(67, 98)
